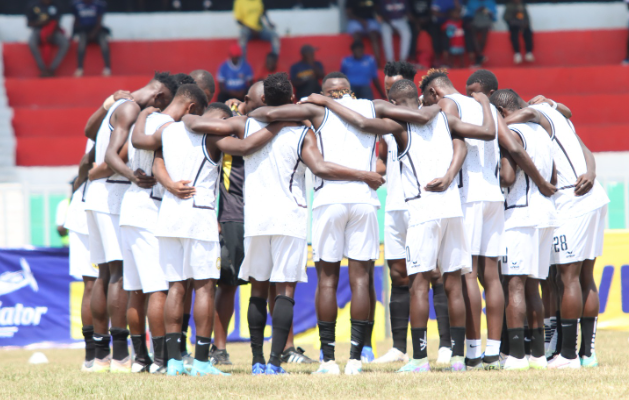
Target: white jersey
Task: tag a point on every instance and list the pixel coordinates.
(275, 185)
(570, 164)
(186, 158)
(479, 179)
(76, 219)
(140, 206)
(342, 144)
(395, 193)
(105, 195)
(525, 205)
(428, 155)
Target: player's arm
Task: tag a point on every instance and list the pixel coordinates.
(179, 189)
(84, 168)
(288, 112)
(96, 119)
(420, 116)
(215, 126)
(102, 171)
(458, 157)
(553, 180)
(524, 115)
(252, 143)
(522, 159)
(313, 159)
(585, 182)
(381, 162)
(139, 138)
(562, 108)
(487, 131)
(507, 169)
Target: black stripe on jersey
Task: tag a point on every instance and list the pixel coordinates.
(373, 151)
(516, 130)
(290, 184)
(325, 119)
(320, 139)
(301, 141)
(528, 187)
(196, 178)
(565, 153)
(205, 152)
(373, 109)
(419, 188)
(115, 181)
(409, 136)
(550, 121)
(111, 127)
(84, 191)
(246, 128)
(458, 106)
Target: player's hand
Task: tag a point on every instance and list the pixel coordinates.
(90, 173)
(233, 102)
(315, 98)
(548, 189)
(182, 190)
(143, 180)
(150, 110)
(538, 99)
(439, 184)
(480, 97)
(122, 94)
(373, 179)
(584, 184)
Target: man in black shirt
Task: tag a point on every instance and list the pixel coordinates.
(361, 21)
(43, 17)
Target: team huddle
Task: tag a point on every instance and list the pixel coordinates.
(480, 187)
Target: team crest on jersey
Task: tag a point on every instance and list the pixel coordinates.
(218, 263)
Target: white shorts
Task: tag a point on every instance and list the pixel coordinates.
(184, 258)
(277, 258)
(140, 254)
(580, 238)
(441, 243)
(484, 223)
(345, 230)
(80, 264)
(104, 232)
(395, 228)
(527, 252)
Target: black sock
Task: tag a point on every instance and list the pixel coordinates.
(202, 348)
(119, 343)
(588, 336)
(172, 346)
(369, 334)
(101, 344)
(559, 333)
(516, 342)
(159, 353)
(399, 309)
(504, 337)
(457, 333)
(537, 342)
(256, 316)
(420, 343)
(440, 302)
(327, 335)
(569, 338)
(282, 320)
(358, 338)
(183, 346)
(90, 348)
(139, 346)
(527, 340)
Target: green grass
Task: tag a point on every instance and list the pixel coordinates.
(61, 378)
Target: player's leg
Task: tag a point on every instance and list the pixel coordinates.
(117, 308)
(327, 306)
(282, 315)
(554, 345)
(291, 354)
(187, 312)
(419, 312)
(203, 313)
(494, 307)
(367, 354)
(474, 310)
(515, 315)
(571, 310)
(256, 318)
(360, 307)
(87, 320)
(224, 304)
(590, 314)
(173, 316)
(155, 316)
(456, 309)
(136, 318)
(440, 303)
(100, 317)
(535, 319)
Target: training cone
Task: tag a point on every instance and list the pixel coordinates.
(38, 358)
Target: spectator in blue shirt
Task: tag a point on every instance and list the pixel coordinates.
(234, 76)
(307, 73)
(88, 27)
(361, 71)
(477, 21)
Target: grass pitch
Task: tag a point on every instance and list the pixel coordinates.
(61, 378)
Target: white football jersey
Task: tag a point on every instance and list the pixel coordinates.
(479, 179)
(395, 193)
(275, 185)
(570, 164)
(140, 206)
(186, 158)
(428, 155)
(105, 195)
(76, 218)
(342, 144)
(525, 205)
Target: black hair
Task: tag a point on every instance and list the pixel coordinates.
(485, 78)
(166, 79)
(272, 55)
(220, 106)
(405, 87)
(395, 68)
(192, 92)
(505, 98)
(334, 75)
(439, 76)
(182, 79)
(356, 44)
(204, 79)
(277, 89)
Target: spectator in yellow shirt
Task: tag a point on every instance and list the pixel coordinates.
(254, 23)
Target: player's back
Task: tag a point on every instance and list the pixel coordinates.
(479, 177)
(345, 145)
(275, 185)
(395, 192)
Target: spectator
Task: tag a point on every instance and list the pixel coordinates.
(43, 17)
(307, 73)
(254, 23)
(441, 10)
(361, 71)
(453, 28)
(234, 76)
(480, 16)
(361, 21)
(517, 17)
(394, 16)
(420, 19)
(88, 26)
(269, 67)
